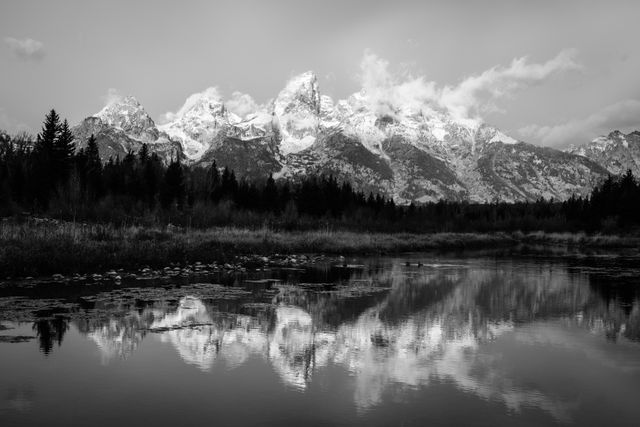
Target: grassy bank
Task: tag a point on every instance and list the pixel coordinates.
(46, 247)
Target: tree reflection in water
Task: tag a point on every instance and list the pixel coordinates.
(50, 331)
(391, 328)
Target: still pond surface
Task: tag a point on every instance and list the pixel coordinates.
(414, 340)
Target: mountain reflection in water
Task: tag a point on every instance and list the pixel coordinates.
(394, 328)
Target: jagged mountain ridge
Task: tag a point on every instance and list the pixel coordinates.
(617, 152)
(411, 154)
(122, 127)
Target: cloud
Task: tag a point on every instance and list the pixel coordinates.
(470, 99)
(27, 49)
(386, 92)
(210, 93)
(476, 95)
(242, 104)
(112, 96)
(623, 115)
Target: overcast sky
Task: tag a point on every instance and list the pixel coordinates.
(549, 72)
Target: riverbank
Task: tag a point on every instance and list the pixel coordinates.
(45, 247)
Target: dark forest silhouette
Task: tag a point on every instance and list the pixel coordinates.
(48, 176)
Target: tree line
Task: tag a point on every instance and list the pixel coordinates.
(48, 175)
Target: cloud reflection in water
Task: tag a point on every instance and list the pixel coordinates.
(442, 326)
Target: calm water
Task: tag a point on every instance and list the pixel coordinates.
(482, 340)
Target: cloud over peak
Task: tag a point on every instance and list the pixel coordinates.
(386, 91)
(27, 49)
(478, 94)
(242, 104)
(470, 99)
(112, 96)
(239, 103)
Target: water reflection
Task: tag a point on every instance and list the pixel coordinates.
(394, 328)
(50, 331)
(17, 399)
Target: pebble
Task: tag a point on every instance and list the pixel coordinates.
(241, 264)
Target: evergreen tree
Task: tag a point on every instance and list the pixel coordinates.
(43, 164)
(153, 174)
(63, 151)
(48, 136)
(173, 186)
(93, 169)
(270, 195)
(143, 154)
(213, 182)
(228, 184)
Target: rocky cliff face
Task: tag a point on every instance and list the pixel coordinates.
(415, 154)
(122, 127)
(616, 152)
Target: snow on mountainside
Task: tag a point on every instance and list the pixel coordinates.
(411, 153)
(122, 127)
(298, 110)
(617, 152)
(199, 122)
(128, 115)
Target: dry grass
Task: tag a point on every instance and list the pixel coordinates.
(44, 247)
(580, 239)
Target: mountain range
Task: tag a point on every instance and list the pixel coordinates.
(412, 154)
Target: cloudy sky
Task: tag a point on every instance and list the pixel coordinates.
(551, 72)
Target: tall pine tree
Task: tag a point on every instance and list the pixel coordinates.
(173, 188)
(43, 167)
(63, 151)
(94, 169)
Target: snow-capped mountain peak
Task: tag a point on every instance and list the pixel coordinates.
(198, 122)
(127, 114)
(207, 103)
(413, 153)
(616, 151)
(301, 92)
(298, 107)
(122, 127)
